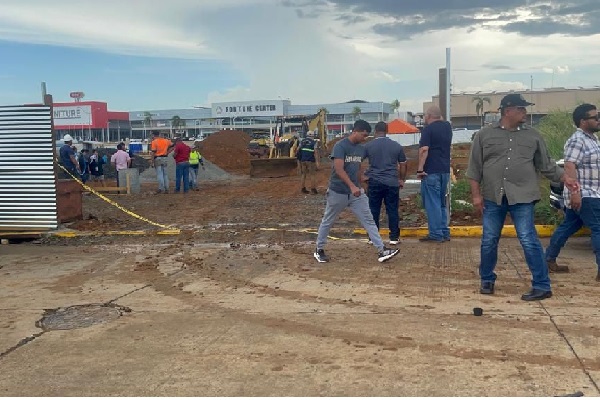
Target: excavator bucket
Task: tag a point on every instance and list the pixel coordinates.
(273, 167)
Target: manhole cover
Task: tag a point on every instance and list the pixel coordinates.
(81, 316)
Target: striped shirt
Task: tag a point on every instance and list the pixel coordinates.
(583, 150)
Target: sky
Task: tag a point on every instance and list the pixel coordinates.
(149, 55)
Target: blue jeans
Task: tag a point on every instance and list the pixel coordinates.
(160, 164)
(433, 194)
(378, 193)
(570, 224)
(194, 177)
(182, 172)
(522, 215)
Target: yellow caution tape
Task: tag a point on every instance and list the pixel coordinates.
(115, 204)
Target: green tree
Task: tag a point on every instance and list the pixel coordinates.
(479, 105)
(356, 112)
(147, 121)
(396, 106)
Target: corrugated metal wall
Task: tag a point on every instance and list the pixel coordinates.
(27, 182)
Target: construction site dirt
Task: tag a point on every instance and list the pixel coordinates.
(236, 305)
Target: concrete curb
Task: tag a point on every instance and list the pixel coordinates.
(455, 232)
(473, 231)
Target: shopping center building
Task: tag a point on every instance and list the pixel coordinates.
(463, 105)
(253, 116)
(91, 120)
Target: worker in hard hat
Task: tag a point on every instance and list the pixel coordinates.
(68, 160)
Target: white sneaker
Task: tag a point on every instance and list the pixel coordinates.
(320, 256)
(369, 241)
(386, 254)
(394, 242)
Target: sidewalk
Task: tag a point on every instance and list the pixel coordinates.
(178, 318)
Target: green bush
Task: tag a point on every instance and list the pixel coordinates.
(556, 128)
(461, 190)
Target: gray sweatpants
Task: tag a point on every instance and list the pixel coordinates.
(336, 203)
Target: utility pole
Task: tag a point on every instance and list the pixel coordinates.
(531, 99)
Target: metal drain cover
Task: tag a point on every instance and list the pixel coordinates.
(80, 316)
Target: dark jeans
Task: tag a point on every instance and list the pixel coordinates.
(588, 215)
(433, 194)
(182, 172)
(378, 193)
(522, 215)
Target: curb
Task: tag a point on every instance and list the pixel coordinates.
(474, 231)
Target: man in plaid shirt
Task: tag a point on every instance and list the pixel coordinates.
(582, 161)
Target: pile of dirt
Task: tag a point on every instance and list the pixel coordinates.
(228, 150)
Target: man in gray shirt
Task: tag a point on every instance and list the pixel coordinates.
(503, 172)
(386, 173)
(345, 191)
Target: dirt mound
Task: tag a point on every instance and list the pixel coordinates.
(228, 150)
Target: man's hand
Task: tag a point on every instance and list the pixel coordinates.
(576, 201)
(571, 183)
(401, 183)
(421, 175)
(478, 204)
(355, 191)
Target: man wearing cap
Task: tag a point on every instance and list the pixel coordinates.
(67, 158)
(582, 161)
(181, 154)
(308, 162)
(503, 172)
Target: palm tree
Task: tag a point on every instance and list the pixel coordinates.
(177, 122)
(147, 120)
(395, 106)
(478, 100)
(356, 112)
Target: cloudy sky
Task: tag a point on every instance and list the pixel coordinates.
(138, 54)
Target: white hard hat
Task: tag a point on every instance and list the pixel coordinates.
(67, 138)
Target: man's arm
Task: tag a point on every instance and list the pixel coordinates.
(338, 165)
(423, 153)
(476, 195)
(75, 163)
(402, 173)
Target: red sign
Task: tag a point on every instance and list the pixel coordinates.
(77, 95)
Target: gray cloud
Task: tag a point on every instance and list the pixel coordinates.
(496, 67)
(565, 17)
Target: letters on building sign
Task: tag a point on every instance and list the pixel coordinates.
(249, 109)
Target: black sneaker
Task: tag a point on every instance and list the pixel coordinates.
(320, 256)
(386, 254)
(314, 191)
(486, 288)
(305, 191)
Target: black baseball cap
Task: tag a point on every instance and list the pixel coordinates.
(514, 100)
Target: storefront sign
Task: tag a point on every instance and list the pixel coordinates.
(72, 115)
(268, 108)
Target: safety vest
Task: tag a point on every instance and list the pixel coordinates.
(306, 151)
(195, 157)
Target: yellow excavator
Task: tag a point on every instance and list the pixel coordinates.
(283, 147)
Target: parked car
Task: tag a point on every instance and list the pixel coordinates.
(556, 191)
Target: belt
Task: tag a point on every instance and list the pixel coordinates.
(160, 156)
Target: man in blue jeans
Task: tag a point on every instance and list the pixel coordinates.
(386, 174)
(345, 192)
(503, 172)
(582, 162)
(434, 172)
